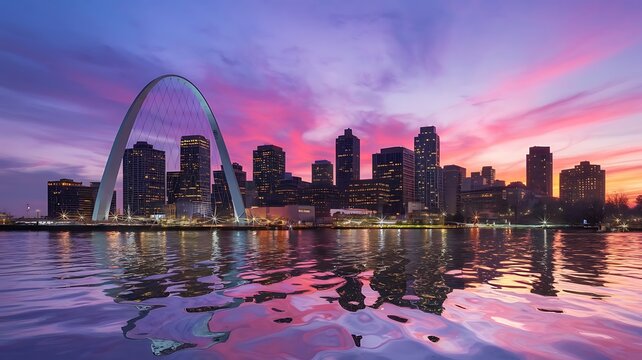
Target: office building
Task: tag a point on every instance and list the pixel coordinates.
(585, 183)
(143, 180)
(323, 197)
(289, 190)
(539, 171)
(453, 181)
(396, 167)
(369, 194)
(173, 186)
(196, 188)
(488, 175)
(71, 200)
(348, 159)
(322, 172)
(268, 170)
(428, 177)
(221, 199)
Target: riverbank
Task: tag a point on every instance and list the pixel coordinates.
(158, 227)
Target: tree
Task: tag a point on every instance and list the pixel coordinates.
(617, 204)
(638, 204)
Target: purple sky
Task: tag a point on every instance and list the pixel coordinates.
(495, 77)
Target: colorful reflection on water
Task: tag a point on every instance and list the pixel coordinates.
(340, 294)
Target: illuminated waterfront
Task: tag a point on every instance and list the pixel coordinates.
(458, 293)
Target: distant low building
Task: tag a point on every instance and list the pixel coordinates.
(288, 214)
(5, 218)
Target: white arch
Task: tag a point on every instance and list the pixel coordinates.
(108, 181)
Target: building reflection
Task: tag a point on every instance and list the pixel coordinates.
(389, 278)
(430, 284)
(542, 266)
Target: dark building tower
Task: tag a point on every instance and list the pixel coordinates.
(221, 199)
(396, 167)
(348, 159)
(488, 174)
(322, 172)
(173, 186)
(69, 199)
(453, 181)
(196, 188)
(268, 170)
(428, 177)
(477, 181)
(63, 198)
(539, 170)
(143, 180)
(289, 191)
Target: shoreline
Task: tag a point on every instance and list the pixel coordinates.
(155, 227)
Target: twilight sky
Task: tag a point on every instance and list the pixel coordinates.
(495, 77)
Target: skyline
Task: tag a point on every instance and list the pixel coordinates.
(76, 79)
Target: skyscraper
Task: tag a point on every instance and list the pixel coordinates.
(428, 177)
(585, 183)
(488, 174)
(143, 180)
(268, 169)
(453, 181)
(539, 170)
(396, 167)
(477, 181)
(221, 199)
(322, 172)
(348, 159)
(173, 186)
(196, 175)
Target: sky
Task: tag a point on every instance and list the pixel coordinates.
(494, 77)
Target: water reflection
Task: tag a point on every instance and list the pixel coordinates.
(194, 290)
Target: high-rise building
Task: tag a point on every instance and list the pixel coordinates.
(196, 188)
(428, 177)
(70, 199)
(477, 181)
(396, 167)
(322, 172)
(453, 181)
(348, 159)
(250, 194)
(539, 170)
(221, 199)
(585, 183)
(63, 198)
(488, 174)
(268, 170)
(370, 194)
(173, 186)
(143, 180)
